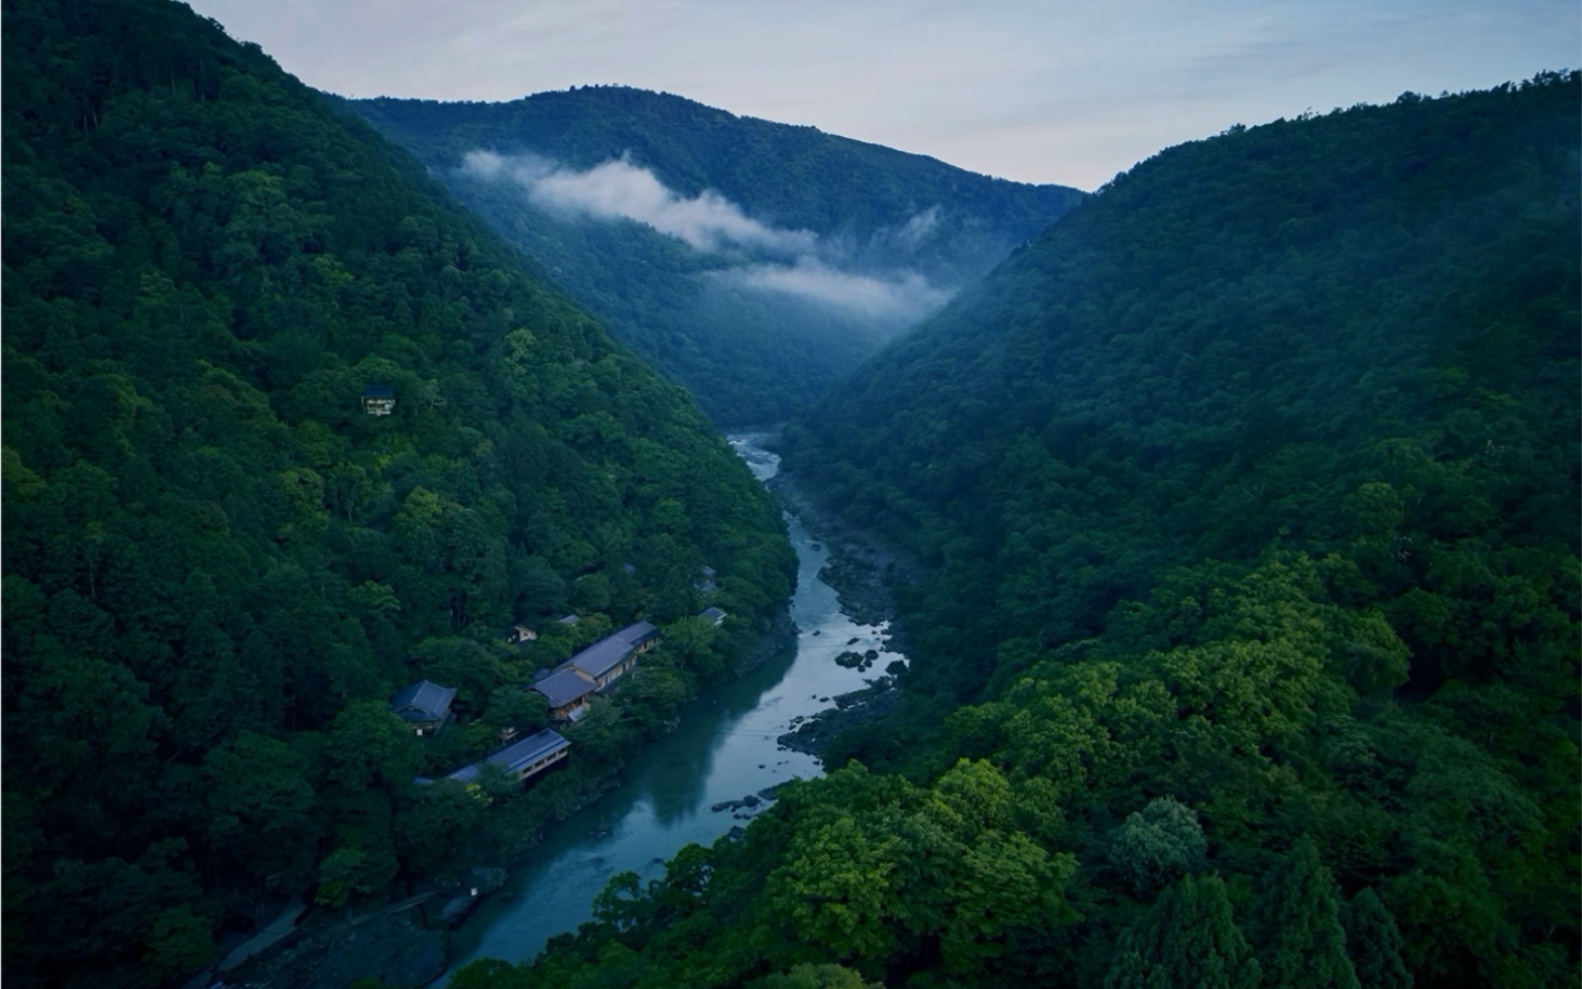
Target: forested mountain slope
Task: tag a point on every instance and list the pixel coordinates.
(751, 261)
(1249, 657)
(1310, 332)
(218, 567)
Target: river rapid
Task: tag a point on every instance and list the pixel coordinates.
(724, 750)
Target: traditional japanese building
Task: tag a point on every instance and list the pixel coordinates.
(424, 706)
(524, 759)
(567, 691)
(642, 636)
(604, 662)
(608, 659)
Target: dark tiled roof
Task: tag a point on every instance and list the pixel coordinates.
(563, 687)
(379, 391)
(530, 749)
(602, 657)
(637, 633)
(518, 754)
(423, 701)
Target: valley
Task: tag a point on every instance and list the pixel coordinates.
(718, 769)
(400, 576)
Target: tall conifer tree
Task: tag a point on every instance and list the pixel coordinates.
(1309, 946)
(1374, 943)
(1189, 940)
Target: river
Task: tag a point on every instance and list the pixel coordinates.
(724, 750)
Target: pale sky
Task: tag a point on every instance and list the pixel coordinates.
(1067, 91)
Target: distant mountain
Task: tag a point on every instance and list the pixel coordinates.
(752, 262)
(1249, 651)
(285, 429)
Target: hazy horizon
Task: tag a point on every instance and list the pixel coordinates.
(1068, 94)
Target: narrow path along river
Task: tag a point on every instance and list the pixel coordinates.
(724, 750)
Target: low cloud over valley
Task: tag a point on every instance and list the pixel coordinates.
(756, 255)
(900, 296)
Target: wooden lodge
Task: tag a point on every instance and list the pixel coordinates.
(643, 636)
(595, 668)
(524, 759)
(424, 706)
(567, 692)
(608, 659)
(716, 616)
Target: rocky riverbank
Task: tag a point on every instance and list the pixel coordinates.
(852, 710)
(865, 570)
(780, 634)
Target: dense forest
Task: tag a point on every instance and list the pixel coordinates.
(870, 237)
(1248, 655)
(218, 567)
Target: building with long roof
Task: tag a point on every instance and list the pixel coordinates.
(608, 659)
(524, 759)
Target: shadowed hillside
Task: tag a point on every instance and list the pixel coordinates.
(285, 430)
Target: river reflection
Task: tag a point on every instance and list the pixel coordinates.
(724, 750)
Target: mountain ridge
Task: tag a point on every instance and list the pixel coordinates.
(839, 245)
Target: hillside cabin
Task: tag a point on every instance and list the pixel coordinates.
(379, 400)
(524, 759)
(424, 706)
(568, 620)
(705, 582)
(715, 616)
(567, 691)
(520, 634)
